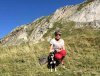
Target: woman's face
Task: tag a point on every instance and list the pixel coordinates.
(58, 36)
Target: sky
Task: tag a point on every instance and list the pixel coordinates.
(14, 13)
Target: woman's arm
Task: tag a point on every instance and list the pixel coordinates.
(63, 47)
(51, 46)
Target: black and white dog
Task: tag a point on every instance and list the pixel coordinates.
(52, 62)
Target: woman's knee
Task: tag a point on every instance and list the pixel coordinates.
(63, 52)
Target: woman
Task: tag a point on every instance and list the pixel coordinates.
(57, 44)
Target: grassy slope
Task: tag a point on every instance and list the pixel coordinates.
(83, 54)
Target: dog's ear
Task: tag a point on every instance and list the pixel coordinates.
(51, 53)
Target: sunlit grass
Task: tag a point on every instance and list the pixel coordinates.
(83, 55)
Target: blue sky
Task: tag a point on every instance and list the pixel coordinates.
(14, 13)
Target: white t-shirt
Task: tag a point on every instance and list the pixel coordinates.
(57, 44)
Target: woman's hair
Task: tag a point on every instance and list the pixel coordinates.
(58, 32)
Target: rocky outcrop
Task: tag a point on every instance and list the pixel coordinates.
(64, 13)
(28, 33)
(17, 36)
(40, 29)
(85, 14)
(89, 14)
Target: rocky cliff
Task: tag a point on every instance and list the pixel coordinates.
(90, 13)
(85, 14)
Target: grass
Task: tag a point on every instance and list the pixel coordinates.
(19, 61)
(83, 54)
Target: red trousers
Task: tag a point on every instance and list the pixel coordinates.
(61, 54)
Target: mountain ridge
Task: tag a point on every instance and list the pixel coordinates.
(33, 32)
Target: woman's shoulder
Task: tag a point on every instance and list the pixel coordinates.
(62, 39)
(52, 39)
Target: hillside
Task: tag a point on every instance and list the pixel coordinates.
(21, 49)
(82, 59)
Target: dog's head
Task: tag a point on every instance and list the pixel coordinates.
(51, 56)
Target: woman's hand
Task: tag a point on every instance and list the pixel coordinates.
(63, 48)
(58, 50)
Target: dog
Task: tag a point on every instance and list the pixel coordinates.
(52, 62)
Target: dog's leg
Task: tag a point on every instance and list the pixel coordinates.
(55, 69)
(51, 68)
(55, 66)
